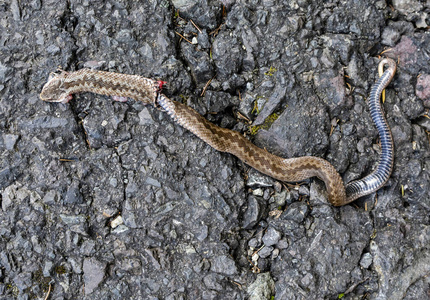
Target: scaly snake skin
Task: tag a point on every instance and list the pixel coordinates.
(60, 87)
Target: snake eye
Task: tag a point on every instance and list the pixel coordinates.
(52, 75)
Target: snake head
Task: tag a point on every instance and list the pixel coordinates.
(53, 90)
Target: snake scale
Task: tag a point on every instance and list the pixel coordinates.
(60, 87)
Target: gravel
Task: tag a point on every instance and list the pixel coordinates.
(108, 200)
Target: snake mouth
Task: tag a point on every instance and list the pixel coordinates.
(50, 94)
(44, 98)
(63, 98)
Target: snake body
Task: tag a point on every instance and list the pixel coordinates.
(61, 86)
(374, 181)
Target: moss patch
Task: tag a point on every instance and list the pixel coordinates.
(271, 71)
(266, 125)
(60, 269)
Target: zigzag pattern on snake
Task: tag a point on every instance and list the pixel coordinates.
(60, 87)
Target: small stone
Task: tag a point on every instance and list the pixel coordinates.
(275, 253)
(87, 247)
(47, 268)
(407, 6)
(211, 281)
(94, 64)
(125, 36)
(15, 9)
(348, 129)
(113, 182)
(262, 288)
(145, 117)
(280, 199)
(255, 257)
(73, 195)
(304, 190)
(94, 271)
(267, 193)
(50, 197)
(53, 49)
(278, 187)
(150, 153)
(72, 220)
(203, 39)
(4, 73)
(422, 89)
(121, 228)
(366, 260)
(265, 252)
(23, 280)
(36, 244)
(258, 192)
(153, 182)
(183, 4)
(203, 233)
(199, 62)
(271, 237)
(116, 222)
(256, 179)
(76, 266)
(296, 212)
(421, 22)
(10, 140)
(282, 244)
(8, 196)
(224, 264)
(253, 243)
(252, 214)
(307, 279)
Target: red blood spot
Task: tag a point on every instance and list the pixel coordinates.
(161, 84)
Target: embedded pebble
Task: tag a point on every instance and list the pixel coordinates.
(366, 260)
(224, 264)
(271, 237)
(94, 272)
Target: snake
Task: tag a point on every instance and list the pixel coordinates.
(60, 86)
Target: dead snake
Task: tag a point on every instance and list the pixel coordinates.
(60, 87)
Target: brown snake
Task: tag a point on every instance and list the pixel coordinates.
(60, 87)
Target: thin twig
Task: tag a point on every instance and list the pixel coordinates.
(197, 27)
(66, 159)
(254, 268)
(216, 30)
(183, 37)
(333, 127)
(238, 284)
(206, 86)
(242, 117)
(386, 50)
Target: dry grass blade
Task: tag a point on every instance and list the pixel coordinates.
(49, 291)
